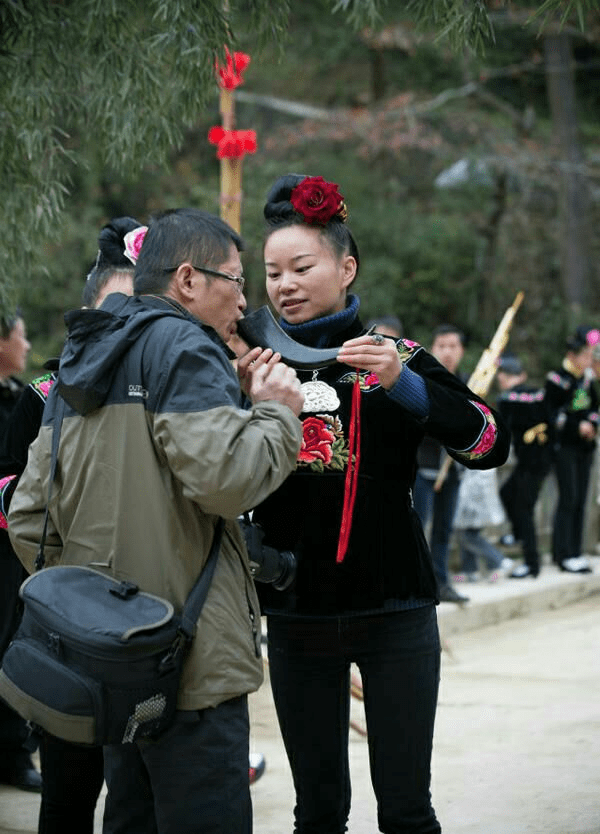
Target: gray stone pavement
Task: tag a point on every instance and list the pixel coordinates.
(501, 684)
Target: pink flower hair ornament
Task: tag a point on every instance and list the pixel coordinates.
(133, 243)
(593, 337)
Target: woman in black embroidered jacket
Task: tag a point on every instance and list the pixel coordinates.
(365, 591)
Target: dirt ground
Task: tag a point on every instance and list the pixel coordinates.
(516, 743)
(517, 734)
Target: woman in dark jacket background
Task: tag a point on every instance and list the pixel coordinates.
(365, 590)
(573, 402)
(16, 765)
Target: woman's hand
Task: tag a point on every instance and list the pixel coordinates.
(373, 353)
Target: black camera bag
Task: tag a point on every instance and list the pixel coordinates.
(97, 661)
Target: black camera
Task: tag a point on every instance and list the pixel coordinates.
(275, 567)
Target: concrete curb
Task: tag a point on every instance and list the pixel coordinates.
(510, 598)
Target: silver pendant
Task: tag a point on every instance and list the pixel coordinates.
(318, 396)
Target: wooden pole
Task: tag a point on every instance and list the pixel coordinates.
(231, 169)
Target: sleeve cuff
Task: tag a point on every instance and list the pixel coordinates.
(410, 392)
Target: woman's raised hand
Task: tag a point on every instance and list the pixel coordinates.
(373, 352)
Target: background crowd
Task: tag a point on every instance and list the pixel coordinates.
(554, 429)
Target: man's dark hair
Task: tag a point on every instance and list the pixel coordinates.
(446, 329)
(180, 235)
(386, 321)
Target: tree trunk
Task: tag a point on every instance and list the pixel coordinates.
(573, 185)
(378, 79)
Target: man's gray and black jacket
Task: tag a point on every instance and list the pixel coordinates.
(154, 448)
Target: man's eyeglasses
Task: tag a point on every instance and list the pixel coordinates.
(238, 279)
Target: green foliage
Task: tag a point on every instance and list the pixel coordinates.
(463, 24)
(106, 106)
(359, 12)
(564, 10)
(131, 75)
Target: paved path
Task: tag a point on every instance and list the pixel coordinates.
(518, 729)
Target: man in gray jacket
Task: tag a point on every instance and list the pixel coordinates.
(154, 448)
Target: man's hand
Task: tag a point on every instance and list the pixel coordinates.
(263, 376)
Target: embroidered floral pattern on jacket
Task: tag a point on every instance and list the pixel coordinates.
(406, 348)
(557, 379)
(323, 444)
(4, 483)
(486, 440)
(366, 379)
(43, 384)
(581, 400)
(524, 396)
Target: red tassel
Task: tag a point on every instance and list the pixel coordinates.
(351, 481)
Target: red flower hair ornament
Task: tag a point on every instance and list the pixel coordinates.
(230, 76)
(232, 144)
(318, 201)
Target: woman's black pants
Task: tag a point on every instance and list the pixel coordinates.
(398, 655)
(572, 467)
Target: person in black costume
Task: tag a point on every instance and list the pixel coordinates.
(573, 402)
(16, 745)
(365, 590)
(72, 774)
(525, 411)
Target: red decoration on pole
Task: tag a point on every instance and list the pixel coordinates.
(232, 145)
(230, 76)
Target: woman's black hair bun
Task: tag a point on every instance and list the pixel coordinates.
(579, 339)
(278, 206)
(110, 242)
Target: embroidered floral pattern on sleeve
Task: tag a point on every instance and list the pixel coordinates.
(487, 438)
(4, 483)
(323, 444)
